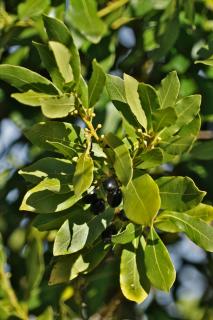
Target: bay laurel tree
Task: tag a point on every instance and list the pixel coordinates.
(97, 187)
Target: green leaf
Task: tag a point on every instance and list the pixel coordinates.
(44, 198)
(67, 242)
(32, 8)
(197, 230)
(34, 260)
(24, 79)
(61, 269)
(163, 118)
(57, 31)
(203, 150)
(60, 169)
(83, 175)
(96, 83)
(150, 159)
(141, 199)
(160, 269)
(47, 222)
(58, 107)
(83, 92)
(126, 236)
(134, 284)
(88, 260)
(62, 57)
(166, 225)
(122, 160)
(115, 88)
(169, 90)
(186, 109)
(179, 193)
(30, 97)
(83, 16)
(48, 59)
(79, 231)
(52, 131)
(67, 151)
(70, 266)
(208, 62)
(202, 211)
(149, 101)
(183, 140)
(132, 97)
(116, 92)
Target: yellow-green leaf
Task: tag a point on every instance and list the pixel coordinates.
(160, 269)
(141, 199)
(83, 175)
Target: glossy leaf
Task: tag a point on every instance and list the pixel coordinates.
(202, 211)
(179, 193)
(49, 167)
(186, 109)
(126, 236)
(52, 131)
(79, 231)
(160, 269)
(208, 62)
(83, 16)
(24, 79)
(149, 101)
(32, 8)
(122, 161)
(134, 284)
(48, 60)
(196, 229)
(70, 266)
(132, 97)
(30, 97)
(57, 31)
(83, 92)
(163, 118)
(150, 159)
(183, 140)
(62, 57)
(44, 198)
(83, 175)
(169, 90)
(115, 88)
(58, 107)
(141, 199)
(96, 83)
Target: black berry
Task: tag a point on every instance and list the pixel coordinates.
(107, 233)
(97, 206)
(114, 198)
(90, 197)
(110, 184)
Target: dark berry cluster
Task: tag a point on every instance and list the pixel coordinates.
(114, 194)
(108, 233)
(97, 204)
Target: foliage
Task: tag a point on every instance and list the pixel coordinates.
(154, 125)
